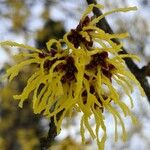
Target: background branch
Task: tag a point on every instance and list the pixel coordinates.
(140, 73)
(46, 142)
(52, 133)
(146, 70)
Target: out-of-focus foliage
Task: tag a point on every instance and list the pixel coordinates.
(17, 12)
(19, 129)
(69, 144)
(50, 30)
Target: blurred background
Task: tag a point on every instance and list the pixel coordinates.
(34, 22)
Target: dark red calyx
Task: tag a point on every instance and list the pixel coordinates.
(98, 59)
(42, 55)
(52, 53)
(75, 38)
(69, 69)
(49, 63)
(83, 23)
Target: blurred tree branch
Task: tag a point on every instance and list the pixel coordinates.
(140, 73)
(146, 70)
(52, 133)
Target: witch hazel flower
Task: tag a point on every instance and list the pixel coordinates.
(77, 73)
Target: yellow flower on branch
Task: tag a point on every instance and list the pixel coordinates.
(78, 73)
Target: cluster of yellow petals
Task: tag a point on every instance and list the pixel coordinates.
(55, 98)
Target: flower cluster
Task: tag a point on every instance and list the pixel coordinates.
(78, 73)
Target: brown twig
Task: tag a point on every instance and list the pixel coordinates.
(52, 133)
(146, 70)
(46, 142)
(140, 74)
